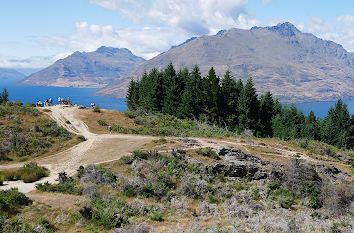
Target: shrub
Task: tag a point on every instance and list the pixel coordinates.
(68, 122)
(156, 216)
(28, 173)
(102, 122)
(1, 180)
(209, 152)
(97, 109)
(119, 129)
(46, 225)
(11, 200)
(140, 154)
(127, 159)
(66, 187)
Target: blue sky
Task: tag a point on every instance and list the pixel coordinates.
(35, 33)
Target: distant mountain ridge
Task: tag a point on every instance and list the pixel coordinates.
(6, 73)
(294, 66)
(87, 69)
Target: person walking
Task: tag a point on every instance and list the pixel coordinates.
(50, 101)
(59, 100)
(110, 129)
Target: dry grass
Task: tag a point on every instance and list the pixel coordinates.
(109, 116)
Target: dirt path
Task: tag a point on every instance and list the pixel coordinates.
(98, 148)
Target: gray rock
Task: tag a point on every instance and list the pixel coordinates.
(81, 107)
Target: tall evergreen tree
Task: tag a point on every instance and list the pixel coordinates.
(311, 127)
(192, 96)
(211, 91)
(249, 108)
(336, 126)
(267, 112)
(174, 93)
(230, 93)
(133, 95)
(156, 90)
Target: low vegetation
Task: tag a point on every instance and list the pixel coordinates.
(29, 173)
(25, 132)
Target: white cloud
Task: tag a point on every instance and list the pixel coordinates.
(196, 17)
(340, 31)
(147, 42)
(31, 62)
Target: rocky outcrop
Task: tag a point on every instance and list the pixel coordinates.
(239, 164)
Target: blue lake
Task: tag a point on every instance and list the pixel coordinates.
(84, 96)
(81, 96)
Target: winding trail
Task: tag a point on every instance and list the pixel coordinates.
(98, 148)
(103, 148)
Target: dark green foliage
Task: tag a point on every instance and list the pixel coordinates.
(249, 108)
(97, 109)
(209, 152)
(66, 187)
(4, 96)
(231, 105)
(102, 122)
(12, 200)
(127, 159)
(49, 228)
(29, 173)
(119, 129)
(338, 127)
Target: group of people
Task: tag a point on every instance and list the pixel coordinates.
(45, 103)
(49, 102)
(62, 101)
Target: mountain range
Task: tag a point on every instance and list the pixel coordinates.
(87, 69)
(6, 73)
(293, 65)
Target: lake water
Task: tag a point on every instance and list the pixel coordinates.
(84, 96)
(81, 96)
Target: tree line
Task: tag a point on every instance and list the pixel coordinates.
(227, 102)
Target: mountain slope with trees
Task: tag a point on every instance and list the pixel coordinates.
(229, 103)
(294, 66)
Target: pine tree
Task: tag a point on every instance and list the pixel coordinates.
(267, 112)
(249, 108)
(230, 93)
(211, 91)
(133, 95)
(192, 97)
(156, 90)
(4, 96)
(174, 93)
(311, 128)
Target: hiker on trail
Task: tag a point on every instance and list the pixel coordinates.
(68, 100)
(110, 129)
(59, 100)
(51, 102)
(62, 100)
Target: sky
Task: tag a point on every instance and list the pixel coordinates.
(36, 33)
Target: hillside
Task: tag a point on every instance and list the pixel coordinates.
(140, 183)
(93, 69)
(294, 66)
(10, 74)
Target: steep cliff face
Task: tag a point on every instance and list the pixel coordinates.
(93, 69)
(294, 66)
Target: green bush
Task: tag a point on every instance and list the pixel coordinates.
(140, 154)
(66, 187)
(127, 159)
(49, 228)
(156, 216)
(119, 129)
(209, 152)
(97, 109)
(102, 122)
(11, 200)
(29, 173)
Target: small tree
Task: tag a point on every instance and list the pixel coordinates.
(4, 96)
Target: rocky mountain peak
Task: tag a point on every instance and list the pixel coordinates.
(284, 29)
